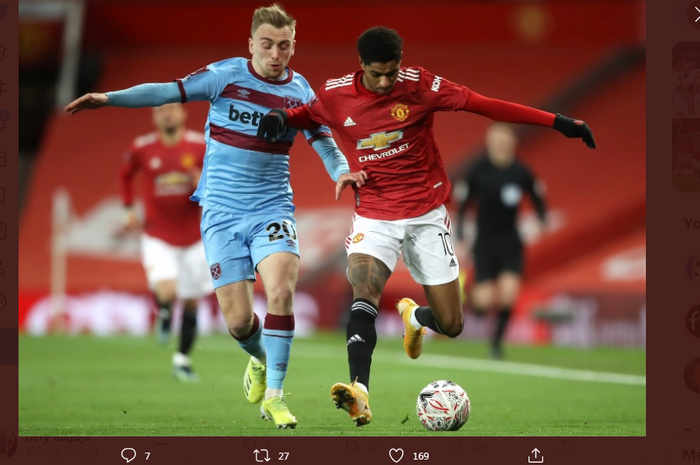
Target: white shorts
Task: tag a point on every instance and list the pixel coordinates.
(188, 265)
(426, 242)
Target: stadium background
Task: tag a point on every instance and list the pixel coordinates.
(585, 282)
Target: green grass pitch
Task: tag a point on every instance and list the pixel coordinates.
(123, 386)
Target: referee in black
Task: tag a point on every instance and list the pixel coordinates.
(497, 182)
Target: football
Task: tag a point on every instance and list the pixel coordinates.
(443, 406)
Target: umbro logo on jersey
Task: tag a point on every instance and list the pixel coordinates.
(355, 338)
(453, 263)
(349, 122)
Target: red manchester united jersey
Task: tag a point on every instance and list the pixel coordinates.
(170, 174)
(391, 138)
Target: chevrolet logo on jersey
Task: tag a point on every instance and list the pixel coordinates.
(380, 140)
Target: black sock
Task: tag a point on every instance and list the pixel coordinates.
(424, 315)
(362, 338)
(501, 324)
(165, 312)
(188, 330)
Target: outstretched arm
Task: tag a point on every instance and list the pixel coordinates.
(508, 112)
(144, 95)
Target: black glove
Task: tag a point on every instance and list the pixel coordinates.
(272, 125)
(574, 128)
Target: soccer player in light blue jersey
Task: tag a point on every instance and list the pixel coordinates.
(248, 220)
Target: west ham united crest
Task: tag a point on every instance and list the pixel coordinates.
(215, 270)
(291, 101)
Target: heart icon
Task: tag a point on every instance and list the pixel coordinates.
(396, 455)
(455, 445)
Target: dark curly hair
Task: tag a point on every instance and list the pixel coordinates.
(379, 45)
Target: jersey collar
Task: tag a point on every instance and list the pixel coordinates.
(361, 90)
(287, 80)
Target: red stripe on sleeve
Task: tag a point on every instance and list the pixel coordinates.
(318, 136)
(183, 95)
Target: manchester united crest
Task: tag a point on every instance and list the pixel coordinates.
(215, 270)
(187, 161)
(400, 112)
(358, 237)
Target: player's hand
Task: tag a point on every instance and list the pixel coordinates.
(346, 179)
(574, 128)
(87, 102)
(272, 125)
(131, 221)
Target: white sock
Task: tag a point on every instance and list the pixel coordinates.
(361, 386)
(269, 392)
(414, 322)
(258, 360)
(180, 360)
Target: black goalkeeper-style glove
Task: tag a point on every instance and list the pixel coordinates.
(574, 128)
(272, 125)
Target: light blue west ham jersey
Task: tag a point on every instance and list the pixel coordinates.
(242, 173)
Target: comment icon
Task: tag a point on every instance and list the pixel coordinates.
(128, 454)
(249, 444)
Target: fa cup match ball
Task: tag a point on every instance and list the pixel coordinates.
(443, 406)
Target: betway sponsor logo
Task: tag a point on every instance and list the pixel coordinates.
(388, 153)
(244, 116)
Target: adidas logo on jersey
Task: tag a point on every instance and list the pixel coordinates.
(349, 122)
(453, 263)
(355, 338)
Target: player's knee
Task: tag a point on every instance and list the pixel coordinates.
(453, 326)
(239, 327)
(190, 305)
(363, 290)
(165, 295)
(280, 298)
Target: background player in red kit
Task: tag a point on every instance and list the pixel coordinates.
(172, 252)
(384, 116)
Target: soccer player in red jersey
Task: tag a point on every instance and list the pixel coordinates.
(384, 116)
(170, 161)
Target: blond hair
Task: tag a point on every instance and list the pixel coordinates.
(273, 15)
